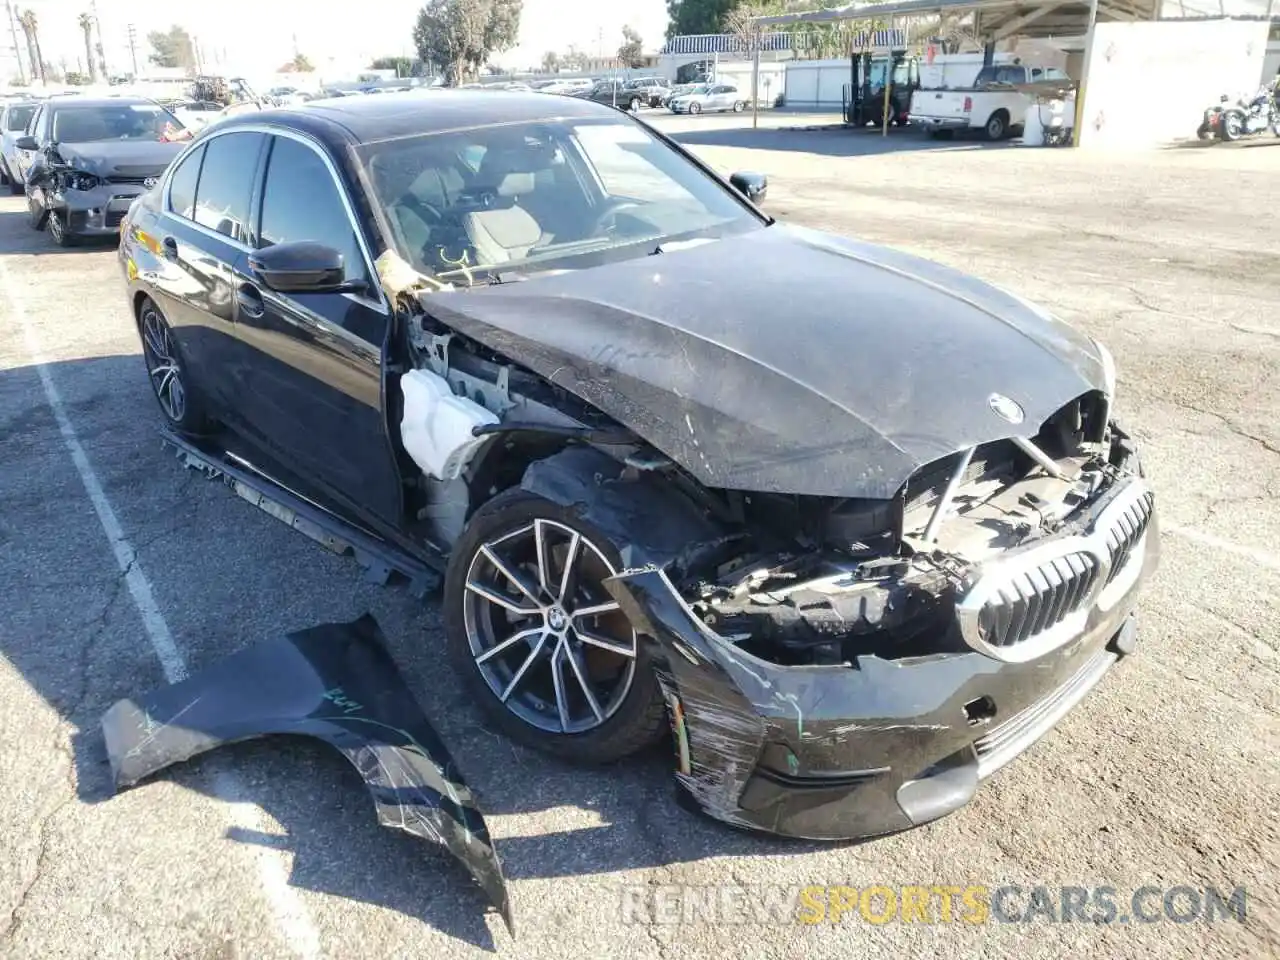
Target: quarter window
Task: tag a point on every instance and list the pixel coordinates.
(182, 184)
(300, 201)
(222, 198)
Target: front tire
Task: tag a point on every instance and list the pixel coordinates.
(58, 230)
(536, 639)
(170, 382)
(36, 214)
(695, 108)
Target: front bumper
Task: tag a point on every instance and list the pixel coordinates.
(97, 212)
(858, 750)
(938, 123)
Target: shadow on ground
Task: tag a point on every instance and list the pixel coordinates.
(20, 237)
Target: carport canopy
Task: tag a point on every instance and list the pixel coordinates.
(995, 19)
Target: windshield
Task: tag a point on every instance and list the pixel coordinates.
(18, 117)
(126, 121)
(699, 88)
(503, 197)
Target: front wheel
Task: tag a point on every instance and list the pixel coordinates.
(537, 640)
(695, 108)
(58, 229)
(36, 214)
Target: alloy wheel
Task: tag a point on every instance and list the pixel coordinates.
(56, 227)
(163, 367)
(545, 635)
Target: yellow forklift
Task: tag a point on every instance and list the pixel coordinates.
(863, 97)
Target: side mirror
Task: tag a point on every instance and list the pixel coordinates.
(303, 266)
(753, 186)
(26, 143)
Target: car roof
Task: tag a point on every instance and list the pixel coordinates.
(370, 119)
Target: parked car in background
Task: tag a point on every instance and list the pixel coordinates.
(709, 98)
(653, 89)
(616, 94)
(14, 119)
(991, 106)
(92, 157)
(195, 114)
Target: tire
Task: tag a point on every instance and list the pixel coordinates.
(36, 214)
(185, 412)
(5, 179)
(739, 106)
(634, 105)
(1231, 126)
(58, 230)
(631, 714)
(997, 127)
(695, 108)
(16, 187)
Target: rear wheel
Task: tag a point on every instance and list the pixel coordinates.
(170, 382)
(739, 106)
(1231, 126)
(997, 127)
(537, 640)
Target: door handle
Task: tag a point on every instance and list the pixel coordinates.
(250, 300)
(170, 246)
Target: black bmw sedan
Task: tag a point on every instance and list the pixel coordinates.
(853, 529)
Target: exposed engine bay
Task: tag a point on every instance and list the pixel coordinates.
(794, 580)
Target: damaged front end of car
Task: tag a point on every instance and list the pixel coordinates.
(866, 680)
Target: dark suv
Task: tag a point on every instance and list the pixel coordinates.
(653, 91)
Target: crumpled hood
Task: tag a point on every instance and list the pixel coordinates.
(120, 158)
(787, 360)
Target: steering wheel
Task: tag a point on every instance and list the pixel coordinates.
(606, 221)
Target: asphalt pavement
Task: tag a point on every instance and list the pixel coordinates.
(120, 570)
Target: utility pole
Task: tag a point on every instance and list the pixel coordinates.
(13, 32)
(133, 48)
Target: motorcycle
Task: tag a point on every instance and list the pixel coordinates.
(1250, 118)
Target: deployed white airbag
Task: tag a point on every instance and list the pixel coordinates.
(436, 426)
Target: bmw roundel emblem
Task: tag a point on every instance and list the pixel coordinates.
(1006, 408)
(150, 182)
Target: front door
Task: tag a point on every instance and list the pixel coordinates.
(313, 390)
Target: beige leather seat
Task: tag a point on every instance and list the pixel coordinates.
(507, 231)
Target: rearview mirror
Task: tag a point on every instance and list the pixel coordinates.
(753, 186)
(26, 143)
(302, 266)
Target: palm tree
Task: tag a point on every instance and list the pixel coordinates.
(86, 25)
(31, 27)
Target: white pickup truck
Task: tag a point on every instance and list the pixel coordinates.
(990, 105)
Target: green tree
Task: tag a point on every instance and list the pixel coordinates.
(697, 16)
(551, 61)
(172, 48)
(461, 35)
(403, 66)
(631, 53)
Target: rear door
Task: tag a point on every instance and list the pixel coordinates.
(313, 387)
(204, 234)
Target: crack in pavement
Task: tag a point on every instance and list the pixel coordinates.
(1227, 422)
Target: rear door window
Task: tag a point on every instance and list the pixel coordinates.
(226, 181)
(182, 184)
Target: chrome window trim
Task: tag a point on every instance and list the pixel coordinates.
(380, 302)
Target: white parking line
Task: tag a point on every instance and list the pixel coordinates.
(291, 914)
